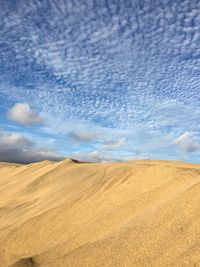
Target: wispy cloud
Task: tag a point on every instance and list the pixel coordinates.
(187, 143)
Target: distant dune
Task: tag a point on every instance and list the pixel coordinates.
(138, 213)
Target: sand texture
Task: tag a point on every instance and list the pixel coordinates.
(69, 214)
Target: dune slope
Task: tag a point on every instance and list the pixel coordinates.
(139, 213)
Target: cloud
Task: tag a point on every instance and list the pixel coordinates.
(15, 147)
(15, 140)
(114, 144)
(99, 156)
(23, 114)
(102, 157)
(80, 136)
(185, 137)
(186, 142)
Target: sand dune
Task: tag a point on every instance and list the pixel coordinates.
(138, 213)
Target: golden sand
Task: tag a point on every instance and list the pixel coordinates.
(69, 214)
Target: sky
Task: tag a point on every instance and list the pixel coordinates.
(99, 80)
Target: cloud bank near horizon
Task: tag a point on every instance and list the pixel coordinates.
(17, 148)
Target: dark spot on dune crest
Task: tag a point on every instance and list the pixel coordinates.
(27, 262)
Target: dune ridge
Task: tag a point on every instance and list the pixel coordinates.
(136, 213)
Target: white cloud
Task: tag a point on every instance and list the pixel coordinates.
(81, 136)
(14, 139)
(185, 137)
(186, 142)
(15, 147)
(23, 114)
(114, 144)
(101, 156)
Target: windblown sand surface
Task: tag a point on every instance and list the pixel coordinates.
(139, 213)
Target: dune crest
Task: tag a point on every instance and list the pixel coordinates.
(137, 213)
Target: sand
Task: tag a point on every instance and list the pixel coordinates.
(138, 213)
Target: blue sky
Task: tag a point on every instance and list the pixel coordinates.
(99, 80)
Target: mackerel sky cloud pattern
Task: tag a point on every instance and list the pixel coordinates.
(120, 70)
